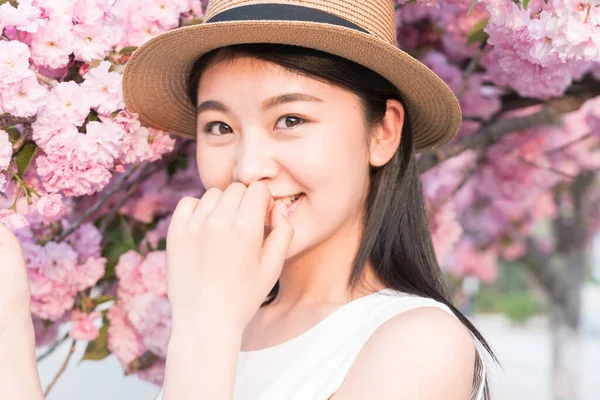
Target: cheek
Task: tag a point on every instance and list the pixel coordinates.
(214, 168)
(333, 167)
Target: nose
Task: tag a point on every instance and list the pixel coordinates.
(255, 160)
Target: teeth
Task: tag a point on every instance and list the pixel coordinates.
(288, 201)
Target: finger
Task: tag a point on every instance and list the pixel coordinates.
(184, 210)
(277, 243)
(254, 208)
(268, 211)
(206, 205)
(228, 204)
(7, 237)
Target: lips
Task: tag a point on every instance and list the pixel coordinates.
(291, 202)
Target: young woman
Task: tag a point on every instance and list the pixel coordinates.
(306, 270)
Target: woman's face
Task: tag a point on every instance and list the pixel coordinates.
(258, 121)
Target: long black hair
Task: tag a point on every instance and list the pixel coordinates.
(397, 239)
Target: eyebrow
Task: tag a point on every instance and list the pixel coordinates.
(267, 104)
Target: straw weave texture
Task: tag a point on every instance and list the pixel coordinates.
(375, 16)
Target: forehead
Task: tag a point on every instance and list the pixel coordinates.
(253, 78)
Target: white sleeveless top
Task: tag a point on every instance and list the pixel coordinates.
(313, 365)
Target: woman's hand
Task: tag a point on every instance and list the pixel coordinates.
(15, 295)
(219, 269)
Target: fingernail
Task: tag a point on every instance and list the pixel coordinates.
(284, 209)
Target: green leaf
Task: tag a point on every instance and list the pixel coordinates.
(128, 49)
(103, 299)
(13, 3)
(24, 156)
(472, 7)
(13, 134)
(93, 116)
(127, 233)
(97, 349)
(477, 34)
(112, 252)
(525, 3)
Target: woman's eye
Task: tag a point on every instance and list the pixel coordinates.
(222, 129)
(290, 122)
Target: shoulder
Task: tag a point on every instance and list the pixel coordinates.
(408, 352)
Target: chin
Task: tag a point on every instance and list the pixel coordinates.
(297, 247)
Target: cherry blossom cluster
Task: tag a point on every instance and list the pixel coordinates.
(140, 322)
(66, 136)
(536, 49)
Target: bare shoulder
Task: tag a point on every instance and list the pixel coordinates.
(425, 353)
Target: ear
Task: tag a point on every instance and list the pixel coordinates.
(385, 139)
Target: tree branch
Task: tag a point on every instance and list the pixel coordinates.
(54, 347)
(46, 80)
(146, 171)
(494, 131)
(62, 369)
(546, 168)
(569, 144)
(98, 204)
(7, 120)
(467, 176)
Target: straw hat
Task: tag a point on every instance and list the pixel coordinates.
(364, 31)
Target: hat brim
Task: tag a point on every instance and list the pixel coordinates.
(156, 75)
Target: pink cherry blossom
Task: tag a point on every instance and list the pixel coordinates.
(123, 340)
(449, 73)
(94, 42)
(51, 207)
(3, 182)
(86, 241)
(87, 273)
(14, 61)
(472, 260)
(52, 44)
(23, 98)
(104, 89)
(154, 236)
(76, 176)
(130, 276)
(100, 144)
(151, 317)
(25, 17)
(88, 12)
(68, 102)
(13, 220)
(445, 230)
(6, 150)
(153, 272)
(82, 325)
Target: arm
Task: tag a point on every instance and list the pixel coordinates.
(220, 268)
(19, 377)
(202, 363)
(18, 370)
(424, 354)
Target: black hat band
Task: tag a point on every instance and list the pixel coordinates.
(282, 12)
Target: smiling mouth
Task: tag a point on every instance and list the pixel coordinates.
(290, 200)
